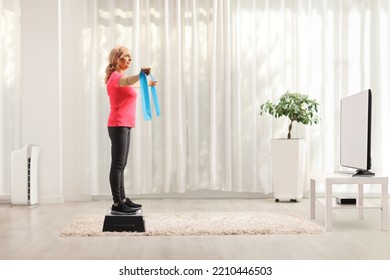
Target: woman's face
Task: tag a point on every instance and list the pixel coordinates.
(124, 62)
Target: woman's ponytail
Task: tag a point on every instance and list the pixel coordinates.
(109, 69)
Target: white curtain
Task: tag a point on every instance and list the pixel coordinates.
(216, 62)
(9, 87)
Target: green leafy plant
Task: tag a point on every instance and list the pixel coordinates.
(294, 105)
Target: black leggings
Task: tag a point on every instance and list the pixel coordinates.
(120, 144)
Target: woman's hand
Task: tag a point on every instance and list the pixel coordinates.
(152, 83)
(146, 71)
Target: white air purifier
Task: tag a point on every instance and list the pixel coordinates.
(24, 176)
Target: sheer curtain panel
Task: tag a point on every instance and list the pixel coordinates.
(9, 88)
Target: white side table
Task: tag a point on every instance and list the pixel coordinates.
(330, 179)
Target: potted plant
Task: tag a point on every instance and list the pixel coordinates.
(288, 155)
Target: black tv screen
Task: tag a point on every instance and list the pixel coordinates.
(355, 132)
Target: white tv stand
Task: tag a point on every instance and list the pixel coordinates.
(330, 179)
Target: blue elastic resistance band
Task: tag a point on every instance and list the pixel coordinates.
(145, 97)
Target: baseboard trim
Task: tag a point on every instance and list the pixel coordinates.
(5, 199)
(51, 199)
(201, 194)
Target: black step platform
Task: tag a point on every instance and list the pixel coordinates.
(132, 222)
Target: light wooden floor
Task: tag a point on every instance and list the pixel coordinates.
(33, 233)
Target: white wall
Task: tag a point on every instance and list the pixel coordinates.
(74, 125)
(41, 92)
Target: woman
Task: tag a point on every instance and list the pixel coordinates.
(122, 98)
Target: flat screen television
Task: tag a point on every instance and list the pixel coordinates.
(355, 132)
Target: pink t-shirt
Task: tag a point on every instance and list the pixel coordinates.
(122, 102)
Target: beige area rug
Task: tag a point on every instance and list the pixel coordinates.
(200, 223)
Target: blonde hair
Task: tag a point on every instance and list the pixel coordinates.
(113, 58)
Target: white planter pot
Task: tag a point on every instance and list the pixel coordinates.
(288, 168)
